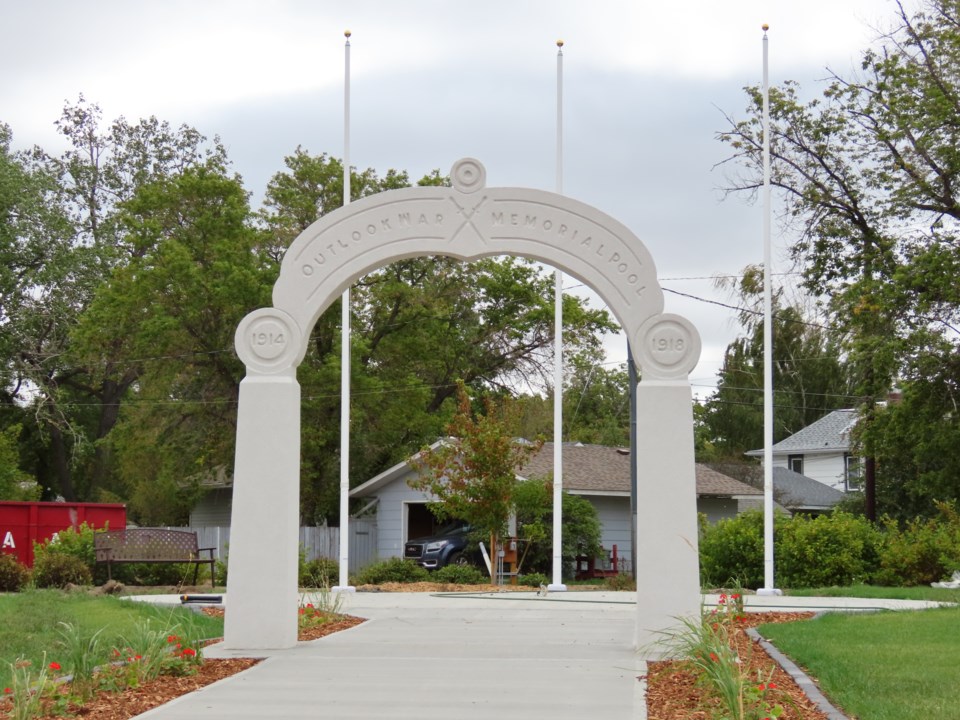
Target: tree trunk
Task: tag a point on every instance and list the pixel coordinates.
(61, 466)
(111, 393)
(870, 488)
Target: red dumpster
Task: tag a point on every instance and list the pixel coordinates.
(24, 523)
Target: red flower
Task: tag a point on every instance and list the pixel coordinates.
(7, 691)
(713, 657)
(54, 666)
(188, 652)
(172, 638)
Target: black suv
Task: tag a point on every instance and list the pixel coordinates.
(448, 546)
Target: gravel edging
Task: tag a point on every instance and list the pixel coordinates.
(803, 681)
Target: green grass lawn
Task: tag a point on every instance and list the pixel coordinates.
(880, 666)
(874, 591)
(29, 622)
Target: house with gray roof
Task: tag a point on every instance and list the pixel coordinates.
(793, 492)
(598, 473)
(822, 452)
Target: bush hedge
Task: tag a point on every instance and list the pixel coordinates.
(319, 572)
(58, 571)
(393, 570)
(731, 551)
(923, 551)
(13, 575)
(461, 575)
(835, 549)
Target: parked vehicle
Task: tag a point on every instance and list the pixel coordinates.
(448, 546)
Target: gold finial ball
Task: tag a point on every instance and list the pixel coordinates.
(347, 33)
(765, 27)
(559, 43)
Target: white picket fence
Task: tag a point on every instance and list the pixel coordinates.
(316, 541)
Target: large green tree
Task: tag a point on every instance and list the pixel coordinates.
(75, 404)
(869, 175)
(171, 312)
(810, 377)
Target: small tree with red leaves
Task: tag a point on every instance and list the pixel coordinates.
(473, 474)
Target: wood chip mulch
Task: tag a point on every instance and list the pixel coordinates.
(134, 701)
(672, 690)
(673, 693)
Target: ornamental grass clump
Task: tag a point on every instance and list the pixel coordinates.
(27, 689)
(326, 608)
(150, 652)
(81, 652)
(707, 645)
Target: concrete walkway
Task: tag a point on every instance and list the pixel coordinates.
(434, 656)
(423, 656)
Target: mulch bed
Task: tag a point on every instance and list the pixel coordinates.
(673, 693)
(672, 690)
(134, 701)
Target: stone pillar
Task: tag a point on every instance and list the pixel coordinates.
(668, 566)
(262, 590)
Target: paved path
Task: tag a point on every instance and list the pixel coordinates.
(499, 656)
(493, 656)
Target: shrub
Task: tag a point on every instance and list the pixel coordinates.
(13, 575)
(461, 575)
(923, 551)
(533, 579)
(620, 581)
(74, 543)
(156, 573)
(393, 570)
(320, 572)
(731, 551)
(221, 572)
(53, 570)
(834, 549)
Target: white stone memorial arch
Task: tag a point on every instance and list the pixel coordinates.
(466, 221)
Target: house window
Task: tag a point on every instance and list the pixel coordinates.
(795, 463)
(852, 472)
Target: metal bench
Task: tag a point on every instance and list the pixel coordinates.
(152, 545)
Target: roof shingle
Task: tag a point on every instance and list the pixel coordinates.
(603, 469)
(831, 433)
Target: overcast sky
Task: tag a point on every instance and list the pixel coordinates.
(645, 85)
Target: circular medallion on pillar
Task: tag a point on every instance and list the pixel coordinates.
(268, 341)
(468, 175)
(668, 348)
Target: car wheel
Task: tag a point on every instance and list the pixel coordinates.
(458, 558)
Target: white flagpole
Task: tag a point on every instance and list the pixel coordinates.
(557, 584)
(769, 588)
(344, 583)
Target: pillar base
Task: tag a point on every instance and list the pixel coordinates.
(769, 592)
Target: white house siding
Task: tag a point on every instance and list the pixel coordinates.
(827, 468)
(717, 508)
(213, 510)
(614, 515)
(391, 516)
